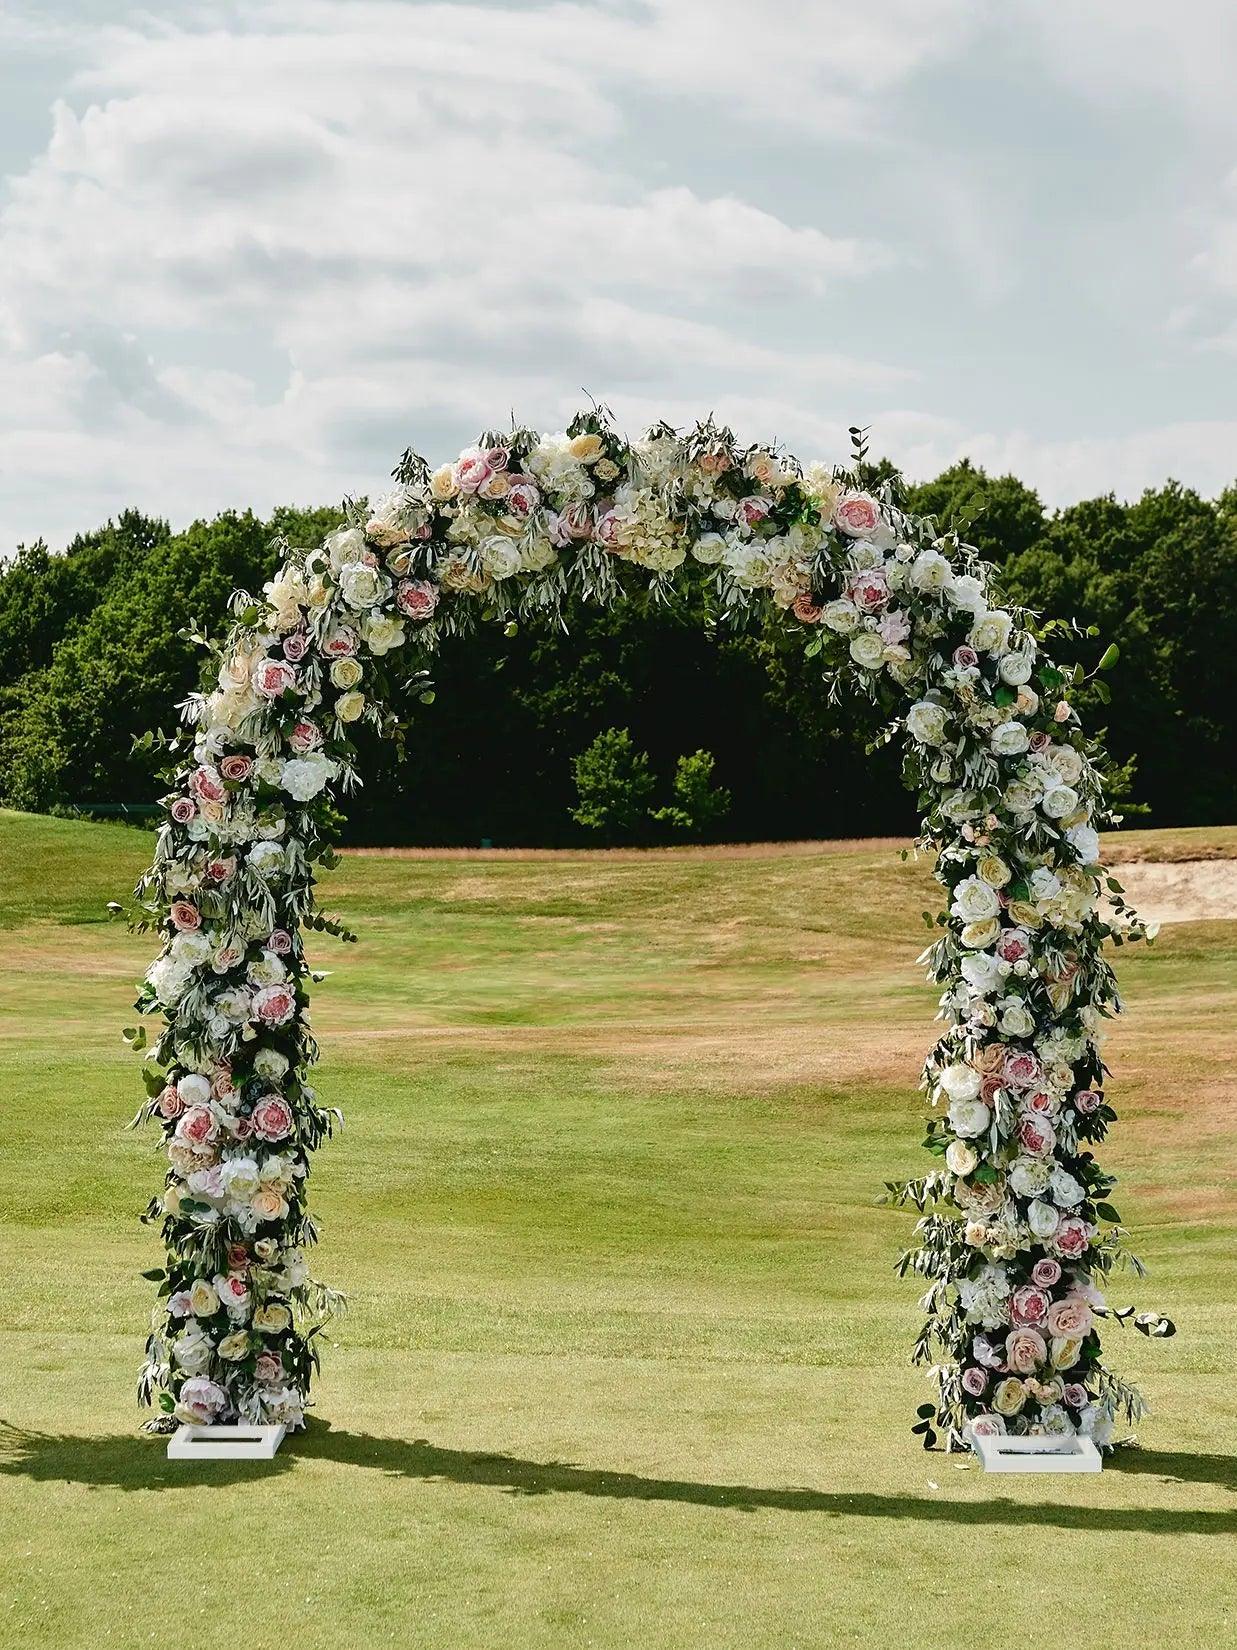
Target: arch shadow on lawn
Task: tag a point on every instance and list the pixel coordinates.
(136, 1463)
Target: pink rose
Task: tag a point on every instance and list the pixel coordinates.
(1028, 1306)
(1062, 712)
(279, 941)
(1046, 1273)
(206, 785)
(233, 1291)
(974, 1381)
(236, 768)
(221, 1084)
(272, 1118)
(986, 1426)
(274, 1005)
(198, 1127)
(416, 598)
(273, 677)
(989, 1088)
(857, 515)
(169, 1102)
(183, 810)
(1036, 1135)
(1014, 945)
(267, 1368)
(1087, 1100)
(473, 469)
(1075, 1394)
(219, 870)
(1025, 1351)
(966, 658)
(497, 458)
(522, 497)
(1022, 1069)
(185, 916)
(714, 464)
(342, 642)
(1071, 1238)
(295, 647)
(869, 591)
(305, 736)
(1070, 1318)
(1038, 742)
(806, 609)
(755, 509)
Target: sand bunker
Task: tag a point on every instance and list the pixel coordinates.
(1188, 890)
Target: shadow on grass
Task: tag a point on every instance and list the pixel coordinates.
(136, 1463)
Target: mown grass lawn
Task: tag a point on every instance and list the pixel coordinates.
(626, 1361)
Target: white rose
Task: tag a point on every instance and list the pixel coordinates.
(925, 722)
(709, 548)
(930, 571)
(1042, 1218)
(346, 544)
(1015, 669)
(840, 615)
(990, 632)
(959, 1081)
(967, 593)
(961, 1158)
(984, 972)
(500, 557)
(1065, 1189)
(269, 1063)
(1016, 1019)
(346, 673)
(1085, 841)
(361, 585)
(975, 900)
(969, 1118)
(1010, 739)
(1059, 802)
(348, 706)
(867, 650)
(383, 633)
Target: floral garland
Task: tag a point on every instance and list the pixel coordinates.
(1015, 1236)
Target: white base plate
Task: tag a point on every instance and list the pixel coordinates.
(1071, 1454)
(224, 1443)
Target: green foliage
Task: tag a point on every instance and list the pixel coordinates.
(698, 804)
(614, 782)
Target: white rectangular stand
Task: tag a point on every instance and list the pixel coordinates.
(224, 1443)
(1069, 1454)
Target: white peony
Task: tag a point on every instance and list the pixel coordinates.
(1015, 669)
(500, 557)
(710, 548)
(975, 900)
(984, 972)
(969, 1118)
(266, 858)
(269, 1063)
(240, 1178)
(1010, 739)
(967, 593)
(1042, 1218)
(990, 632)
(303, 777)
(925, 722)
(1029, 1176)
(959, 1081)
(345, 546)
(930, 571)
(361, 585)
(867, 650)
(1066, 1191)
(1085, 841)
(1059, 802)
(840, 615)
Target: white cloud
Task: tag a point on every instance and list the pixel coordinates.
(269, 244)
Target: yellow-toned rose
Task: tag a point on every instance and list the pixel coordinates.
(443, 484)
(1024, 914)
(1009, 1396)
(605, 469)
(977, 935)
(587, 448)
(319, 595)
(993, 870)
(496, 486)
(1065, 1351)
(349, 706)
(203, 1299)
(976, 1234)
(272, 1320)
(268, 1203)
(961, 1157)
(346, 673)
(235, 1346)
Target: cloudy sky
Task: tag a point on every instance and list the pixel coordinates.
(249, 251)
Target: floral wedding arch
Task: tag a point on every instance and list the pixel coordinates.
(1016, 1236)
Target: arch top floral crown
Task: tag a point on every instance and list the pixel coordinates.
(1016, 1234)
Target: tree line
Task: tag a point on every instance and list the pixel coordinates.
(641, 722)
